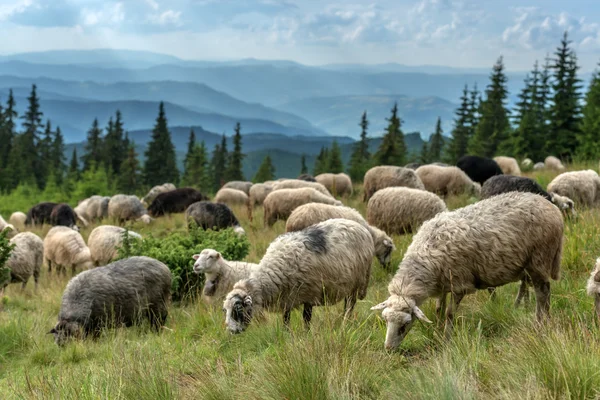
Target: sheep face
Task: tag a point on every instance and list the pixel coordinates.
(206, 261)
(400, 314)
(384, 252)
(238, 311)
(64, 331)
(146, 219)
(565, 205)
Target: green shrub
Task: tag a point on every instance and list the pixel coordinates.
(5, 250)
(177, 249)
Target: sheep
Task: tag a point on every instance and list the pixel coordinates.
(593, 286)
(298, 184)
(124, 292)
(39, 214)
(6, 226)
(402, 210)
(104, 242)
(258, 194)
(63, 247)
(219, 274)
(539, 166)
(319, 265)
(313, 213)
(216, 216)
(337, 184)
(387, 176)
(82, 210)
(122, 207)
(508, 165)
(97, 207)
(232, 197)
(479, 169)
(63, 215)
(505, 183)
(307, 178)
(279, 204)
(17, 219)
(447, 180)
(491, 243)
(155, 191)
(553, 163)
(583, 187)
(527, 164)
(413, 165)
(25, 259)
(174, 201)
(244, 186)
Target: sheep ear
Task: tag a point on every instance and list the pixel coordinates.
(196, 256)
(388, 243)
(248, 301)
(379, 306)
(218, 256)
(421, 315)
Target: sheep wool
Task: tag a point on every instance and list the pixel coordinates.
(244, 186)
(583, 187)
(65, 247)
(554, 163)
(279, 204)
(26, 258)
(593, 287)
(216, 216)
(299, 184)
(337, 184)
(508, 165)
(383, 176)
(447, 180)
(122, 207)
(155, 191)
(17, 219)
(104, 242)
(231, 197)
(5, 225)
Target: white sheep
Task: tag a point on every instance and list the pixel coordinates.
(279, 204)
(491, 243)
(508, 165)
(155, 191)
(319, 265)
(447, 180)
(231, 197)
(10, 227)
(125, 208)
(104, 242)
(17, 219)
(25, 259)
(337, 184)
(554, 163)
(384, 176)
(539, 166)
(63, 247)
(299, 184)
(244, 186)
(583, 187)
(593, 286)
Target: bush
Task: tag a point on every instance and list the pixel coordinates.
(5, 250)
(177, 249)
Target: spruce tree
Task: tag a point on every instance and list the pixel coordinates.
(197, 169)
(94, 147)
(234, 168)
(424, 156)
(542, 113)
(266, 171)
(392, 150)
(524, 120)
(217, 166)
(45, 152)
(188, 157)
(303, 167)
(360, 158)
(160, 166)
(129, 179)
(460, 133)
(473, 114)
(335, 162)
(113, 144)
(58, 156)
(30, 159)
(589, 139)
(74, 172)
(321, 162)
(436, 142)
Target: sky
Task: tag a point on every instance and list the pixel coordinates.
(458, 33)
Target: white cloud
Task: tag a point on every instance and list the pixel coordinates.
(152, 4)
(11, 9)
(169, 17)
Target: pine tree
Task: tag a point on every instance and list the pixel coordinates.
(335, 162)
(113, 144)
(565, 109)
(542, 113)
(58, 156)
(360, 158)
(589, 138)
(94, 147)
(266, 171)
(129, 179)
(524, 119)
(234, 169)
(45, 153)
(436, 142)
(424, 156)
(392, 150)
(30, 159)
(188, 157)
(197, 169)
(493, 128)
(160, 166)
(461, 131)
(217, 165)
(74, 166)
(321, 162)
(303, 167)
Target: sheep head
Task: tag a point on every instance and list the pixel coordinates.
(206, 261)
(65, 330)
(238, 307)
(239, 230)
(399, 313)
(565, 205)
(384, 246)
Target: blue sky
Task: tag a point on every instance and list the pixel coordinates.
(461, 33)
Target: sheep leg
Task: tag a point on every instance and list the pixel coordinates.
(349, 303)
(523, 293)
(49, 266)
(307, 315)
(23, 286)
(596, 304)
(73, 269)
(440, 308)
(452, 307)
(542, 296)
(492, 292)
(36, 278)
(286, 318)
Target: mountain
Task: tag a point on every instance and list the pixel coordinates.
(340, 115)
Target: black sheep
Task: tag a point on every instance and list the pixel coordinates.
(174, 201)
(39, 214)
(479, 169)
(215, 216)
(63, 215)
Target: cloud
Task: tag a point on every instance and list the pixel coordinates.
(168, 17)
(111, 14)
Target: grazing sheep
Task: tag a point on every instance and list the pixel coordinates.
(539, 166)
(402, 210)
(174, 201)
(313, 213)
(82, 210)
(17, 219)
(122, 207)
(337, 184)
(155, 191)
(97, 207)
(319, 265)
(63, 247)
(63, 215)
(214, 216)
(387, 176)
(413, 165)
(219, 274)
(500, 184)
(122, 293)
(527, 163)
(25, 259)
(593, 286)
(307, 178)
(298, 184)
(496, 241)
(583, 187)
(244, 186)
(554, 163)
(479, 169)
(104, 242)
(232, 197)
(508, 165)
(4, 225)
(447, 180)
(279, 204)
(258, 193)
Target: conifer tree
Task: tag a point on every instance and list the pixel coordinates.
(321, 162)
(360, 158)
(589, 139)
(29, 159)
(58, 156)
(160, 166)
(74, 166)
(474, 111)
(129, 179)
(234, 167)
(218, 164)
(460, 133)
(436, 142)
(524, 120)
(542, 113)
(188, 156)
(113, 144)
(94, 147)
(392, 150)
(424, 156)
(266, 171)
(45, 153)
(303, 167)
(197, 169)
(335, 162)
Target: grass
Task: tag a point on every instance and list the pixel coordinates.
(496, 352)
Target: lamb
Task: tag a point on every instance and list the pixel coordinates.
(505, 183)
(216, 216)
(5, 225)
(313, 213)
(279, 204)
(104, 242)
(387, 176)
(122, 293)
(25, 259)
(232, 197)
(479, 169)
(583, 187)
(17, 219)
(319, 265)
(63, 247)
(306, 177)
(593, 286)
(447, 180)
(122, 207)
(155, 191)
(488, 244)
(402, 210)
(337, 184)
(298, 184)
(174, 201)
(553, 163)
(508, 165)
(219, 274)
(244, 186)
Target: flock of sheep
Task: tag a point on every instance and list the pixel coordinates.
(514, 233)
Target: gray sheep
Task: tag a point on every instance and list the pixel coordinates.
(231, 197)
(319, 265)
(491, 243)
(383, 176)
(244, 186)
(122, 207)
(299, 184)
(104, 242)
(216, 216)
(122, 293)
(583, 187)
(25, 259)
(279, 204)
